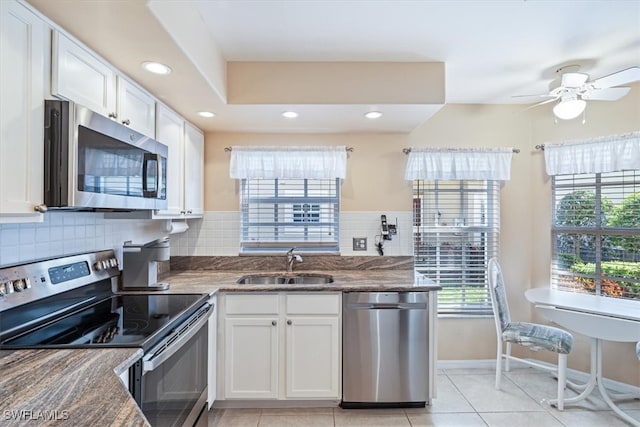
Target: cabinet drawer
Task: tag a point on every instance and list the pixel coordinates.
(252, 304)
(320, 303)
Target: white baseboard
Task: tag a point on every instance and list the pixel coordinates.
(572, 374)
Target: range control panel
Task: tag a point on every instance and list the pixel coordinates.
(25, 283)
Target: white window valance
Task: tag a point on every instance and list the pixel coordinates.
(597, 155)
(450, 163)
(318, 162)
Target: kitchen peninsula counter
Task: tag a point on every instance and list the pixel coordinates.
(78, 387)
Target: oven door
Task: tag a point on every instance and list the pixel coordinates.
(170, 382)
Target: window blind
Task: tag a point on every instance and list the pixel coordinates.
(596, 233)
(278, 214)
(456, 231)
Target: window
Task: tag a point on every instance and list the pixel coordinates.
(456, 232)
(596, 233)
(278, 214)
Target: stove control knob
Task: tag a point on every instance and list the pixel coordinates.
(99, 265)
(113, 262)
(19, 285)
(5, 288)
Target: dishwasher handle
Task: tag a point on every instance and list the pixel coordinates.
(388, 306)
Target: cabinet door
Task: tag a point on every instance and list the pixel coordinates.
(313, 357)
(170, 132)
(194, 170)
(251, 358)
(23, 39)
(81, 77)
(136, 108)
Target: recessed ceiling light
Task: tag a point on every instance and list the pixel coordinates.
(207, 114)
(156, 68)
(290, 114)
(373, 115)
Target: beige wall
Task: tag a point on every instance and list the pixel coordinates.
(375, 182)
(374, 174)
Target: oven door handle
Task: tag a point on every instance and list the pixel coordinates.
(167, 348)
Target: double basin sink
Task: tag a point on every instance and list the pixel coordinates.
(285, 279)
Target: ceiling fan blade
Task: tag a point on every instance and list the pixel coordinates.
(574, 79)
(629, 75)
(608, 94)
(541, 103)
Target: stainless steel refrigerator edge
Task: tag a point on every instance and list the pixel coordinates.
(389, 349)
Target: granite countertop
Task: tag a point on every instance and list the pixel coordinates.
(208, 281)
(82, 387)
(78, 387)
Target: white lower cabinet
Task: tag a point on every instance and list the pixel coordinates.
(313, 356)
(251, 356)
(281, 346)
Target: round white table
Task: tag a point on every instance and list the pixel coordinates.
(599, 318)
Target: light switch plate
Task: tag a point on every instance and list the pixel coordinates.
(359, 243)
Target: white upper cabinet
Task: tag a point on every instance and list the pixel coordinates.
(170, 132)
(81, 76)
(193, 170)
(185, 166)
(23, 70)
(136, 108)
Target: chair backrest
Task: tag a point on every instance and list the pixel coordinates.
(498, 296)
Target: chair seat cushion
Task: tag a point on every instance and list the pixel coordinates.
(538, 337)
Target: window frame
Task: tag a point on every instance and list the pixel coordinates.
(299, 218)
(562, 277)
(470, 268)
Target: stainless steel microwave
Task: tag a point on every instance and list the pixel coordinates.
(95, 163)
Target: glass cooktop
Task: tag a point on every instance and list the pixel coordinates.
(118, 321)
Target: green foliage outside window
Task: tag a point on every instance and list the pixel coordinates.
(576, 250)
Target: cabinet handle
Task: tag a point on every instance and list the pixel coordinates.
(274, 323)
(40, 208)
(113, 115)
(182, 212)
(126, 122)
(189, 211)
(289, 322)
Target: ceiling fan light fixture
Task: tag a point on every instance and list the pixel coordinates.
(569, 108)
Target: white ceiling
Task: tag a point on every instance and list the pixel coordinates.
(492, 50)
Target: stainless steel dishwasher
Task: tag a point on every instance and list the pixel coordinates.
(388, 352)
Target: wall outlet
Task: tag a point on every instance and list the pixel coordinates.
(359, 243)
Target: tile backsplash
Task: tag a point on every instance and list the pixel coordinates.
(64, 233)
(217, 234)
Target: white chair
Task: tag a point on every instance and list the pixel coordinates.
(531, 335)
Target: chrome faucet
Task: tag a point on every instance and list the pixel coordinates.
(291, 259)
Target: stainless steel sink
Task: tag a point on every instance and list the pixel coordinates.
(286, 279)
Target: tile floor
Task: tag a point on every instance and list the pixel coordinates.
(465, 398)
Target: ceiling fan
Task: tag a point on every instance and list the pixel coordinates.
(572, 90)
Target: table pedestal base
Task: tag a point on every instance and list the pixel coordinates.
(596, 379)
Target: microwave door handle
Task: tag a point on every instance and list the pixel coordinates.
(150, 157)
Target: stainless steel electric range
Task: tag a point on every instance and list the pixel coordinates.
(69, 302)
